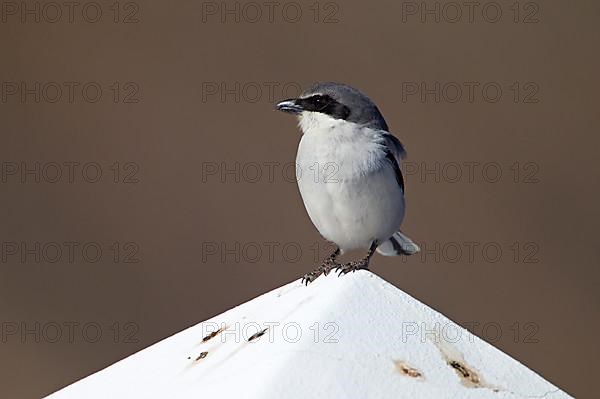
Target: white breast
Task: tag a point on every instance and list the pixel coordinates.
(348, 186)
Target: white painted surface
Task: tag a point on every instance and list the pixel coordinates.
(358, 333)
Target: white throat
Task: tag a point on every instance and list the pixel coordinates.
(318, 123)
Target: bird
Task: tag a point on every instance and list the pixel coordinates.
(348, 174)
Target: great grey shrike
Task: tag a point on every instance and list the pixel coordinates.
(354, 192)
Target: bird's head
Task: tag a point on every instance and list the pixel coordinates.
(337, 101)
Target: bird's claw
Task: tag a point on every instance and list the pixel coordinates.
(327, 265)
(351, 267)
(309, 277)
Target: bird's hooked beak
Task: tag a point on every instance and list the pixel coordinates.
(290, 105)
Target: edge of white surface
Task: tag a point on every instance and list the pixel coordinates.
(387, 344)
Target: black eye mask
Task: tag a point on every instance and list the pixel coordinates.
(324, 104)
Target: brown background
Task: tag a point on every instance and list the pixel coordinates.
(176, 131)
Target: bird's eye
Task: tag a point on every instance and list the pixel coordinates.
(320, 100)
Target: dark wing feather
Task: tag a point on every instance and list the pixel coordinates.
(394, 152)
(395, 146)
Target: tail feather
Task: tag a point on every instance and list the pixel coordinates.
(398, 244)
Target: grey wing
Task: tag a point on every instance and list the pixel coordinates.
(395, 146)
(394, 153)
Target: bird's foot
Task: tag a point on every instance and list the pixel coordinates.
(310, 277)
(352, 266)
(325, 267)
